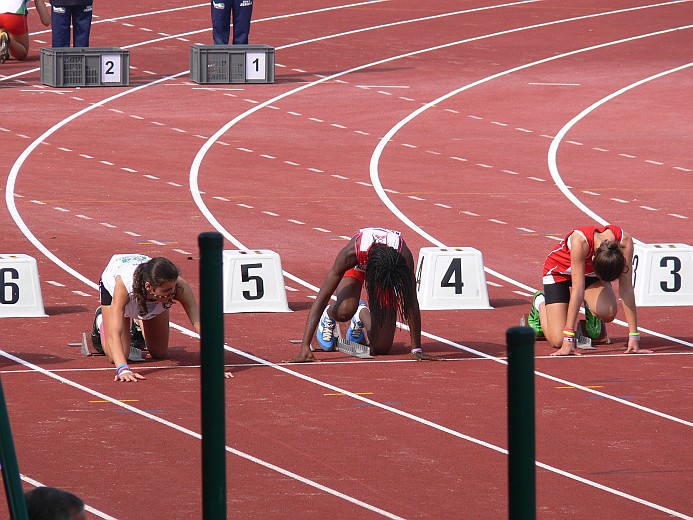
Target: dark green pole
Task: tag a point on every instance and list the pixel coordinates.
(212, 376)
(521, 435)
(10, 469)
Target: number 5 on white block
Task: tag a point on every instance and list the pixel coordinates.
(253, 282)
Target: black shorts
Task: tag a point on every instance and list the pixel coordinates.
(560, 292)
(105, 298)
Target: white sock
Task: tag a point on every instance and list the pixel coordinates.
(538, 301)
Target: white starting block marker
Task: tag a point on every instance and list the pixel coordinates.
(253, 282)
(663, 275)
(451, 278)
(20, 291)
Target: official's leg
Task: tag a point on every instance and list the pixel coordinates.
(81, 24)
(242, 14)
(60, 26)
(221, 21)
(156, 335)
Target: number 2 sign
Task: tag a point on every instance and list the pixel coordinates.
(110, 68)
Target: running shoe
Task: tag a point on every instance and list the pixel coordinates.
(4, 45)
(533, 318)
(325, 335)
(136, 336)
(355, 332)
(593, 325)
(96, 331)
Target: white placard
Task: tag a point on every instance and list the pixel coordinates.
(255, 66)
(253, 282)
(451, 278)
(110, 68)
(20, 290)
(663, 275)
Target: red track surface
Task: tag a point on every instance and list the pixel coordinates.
(408, 440)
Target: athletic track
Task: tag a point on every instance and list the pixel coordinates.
(464, 123)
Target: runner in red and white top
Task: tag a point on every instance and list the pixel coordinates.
(380, 259)
(580, 270)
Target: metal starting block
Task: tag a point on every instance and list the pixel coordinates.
(583, 342)
(353, 349)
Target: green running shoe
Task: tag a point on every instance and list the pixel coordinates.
(593, 325)
(533, 318)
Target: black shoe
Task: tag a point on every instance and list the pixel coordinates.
(136, 336)
(95, 334)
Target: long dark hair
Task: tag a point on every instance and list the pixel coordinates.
(156, 271)
(609, 261)
(389, 285)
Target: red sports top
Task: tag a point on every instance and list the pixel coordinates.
(557, 264)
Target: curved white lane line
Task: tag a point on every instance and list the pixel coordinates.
(377, 153)
(64, 266)
(14, 172)
(556, 141)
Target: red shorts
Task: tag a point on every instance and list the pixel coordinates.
(15, 24)
(355, 273)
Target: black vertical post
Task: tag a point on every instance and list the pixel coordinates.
(521, 433)
(212, 376)
(10, 468)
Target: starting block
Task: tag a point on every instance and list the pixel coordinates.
(20, 291)
(253, 282)
(663, 275)
(451, 278)
(346, 346)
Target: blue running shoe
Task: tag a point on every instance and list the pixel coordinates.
(355, 331)
(325, 334)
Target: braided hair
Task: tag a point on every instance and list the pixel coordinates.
(389, 285)
(609, 261)
(157, 271)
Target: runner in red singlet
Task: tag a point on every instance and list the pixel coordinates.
(579, 270)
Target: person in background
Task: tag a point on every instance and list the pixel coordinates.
(222, 10)
(71, 13)
(14, 27)
(49, 503)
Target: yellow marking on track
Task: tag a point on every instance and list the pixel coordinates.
(120, 401)
(357, 393)
(594, 386)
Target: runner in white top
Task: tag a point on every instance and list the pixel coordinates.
(138, 287)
